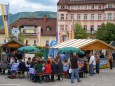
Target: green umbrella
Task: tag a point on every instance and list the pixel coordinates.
(45, 53)
(70, 50)
(81, 52)
(29, 49)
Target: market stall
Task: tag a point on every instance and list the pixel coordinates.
(87, 44)
(10, 45)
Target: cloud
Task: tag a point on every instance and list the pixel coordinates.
(44, 2)
(3, 1)
(31, 5)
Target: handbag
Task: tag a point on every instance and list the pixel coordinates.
(70, 70)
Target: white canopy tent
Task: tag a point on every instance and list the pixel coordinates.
(85, 44)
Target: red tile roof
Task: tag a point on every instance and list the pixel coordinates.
(51, 22)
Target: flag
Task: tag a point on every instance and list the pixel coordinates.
(5, 12)
(57, 31)
(38, 35)
(60, 35)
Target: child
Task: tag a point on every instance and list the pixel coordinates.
(85, 69)
(48, 70)
(65, 68)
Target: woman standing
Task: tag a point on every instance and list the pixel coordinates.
(111, 61)
(4, 64)
(97, 63)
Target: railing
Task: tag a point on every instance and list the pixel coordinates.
(29, 34)
(91, 32)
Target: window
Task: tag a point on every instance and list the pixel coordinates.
(62, 7)
(47, 42)
(99, 7)
(78, 6)
(92, 16)
(71, 7)
(109, 5)
(24, 31)
(48, 28)
(62, 27)
(109, 16)
(92, 6)
(65, 27)
(34, 42)
(58, 16)
(85, 27)
(85, 16)
(62, 16)
(66, 16)
(78, 16)
(63, 38)
(72, 16)
(92, 28)
(99, 16)
(85, 6)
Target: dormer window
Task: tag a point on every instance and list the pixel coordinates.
(62, 6)
(48, 28)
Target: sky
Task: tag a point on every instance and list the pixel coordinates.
(30, 5)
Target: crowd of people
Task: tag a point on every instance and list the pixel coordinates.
(60, 65)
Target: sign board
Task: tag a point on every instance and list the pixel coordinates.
(15, 32)
(103, 63)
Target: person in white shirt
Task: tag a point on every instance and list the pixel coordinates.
(92, 63)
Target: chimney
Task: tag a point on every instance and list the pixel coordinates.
(45, 18)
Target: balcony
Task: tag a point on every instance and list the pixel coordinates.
(64, 33)
(29, 34)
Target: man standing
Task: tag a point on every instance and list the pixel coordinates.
(62, 57)
(92, 63)
(74, 68)
(111, 60)
(97, 63)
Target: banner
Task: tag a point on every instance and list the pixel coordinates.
(38, 35)
(4, 10)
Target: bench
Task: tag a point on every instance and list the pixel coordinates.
(42, 75)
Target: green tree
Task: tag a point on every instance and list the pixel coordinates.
(106, 32)
(79, 32)
(39, 54)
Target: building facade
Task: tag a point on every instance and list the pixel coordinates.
(35, 31)
(90, 13)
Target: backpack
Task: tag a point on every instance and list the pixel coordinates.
(12, 76)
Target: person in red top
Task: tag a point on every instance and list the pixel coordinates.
(48, 70)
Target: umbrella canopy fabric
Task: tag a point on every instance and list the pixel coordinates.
(29, 49)
(71, 50)
(45, 54)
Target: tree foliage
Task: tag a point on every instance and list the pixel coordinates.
(106, 32)
(39, 54)
(79, 32)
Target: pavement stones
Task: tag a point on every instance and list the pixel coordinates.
(105, 78)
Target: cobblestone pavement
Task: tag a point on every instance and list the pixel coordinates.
(105, 78)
